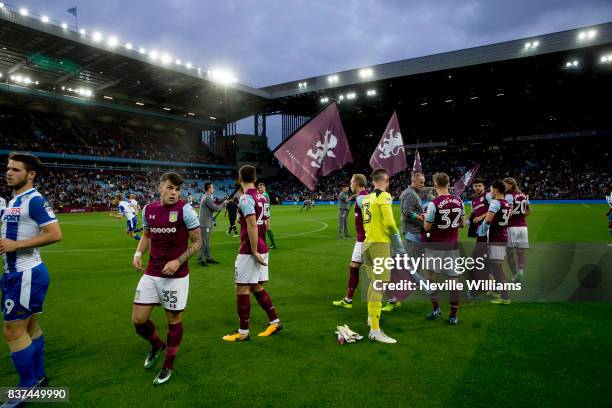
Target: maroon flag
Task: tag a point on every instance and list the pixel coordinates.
(317, 148)
(390, 154)
(416, 167)
(465, 179)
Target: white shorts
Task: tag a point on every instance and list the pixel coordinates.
(249, 271)
(171, 293)
(497, 252)
(356, 257)
(518, 237)
(440, 263)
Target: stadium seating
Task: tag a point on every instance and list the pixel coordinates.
(544, 169)
(43, 132)
(88, 188)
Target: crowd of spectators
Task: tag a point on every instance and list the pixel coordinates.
(44, 132)
(562, 169)
(570, 168)
(94, 188)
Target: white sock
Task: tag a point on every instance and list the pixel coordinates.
(243, 332)
(275, 321)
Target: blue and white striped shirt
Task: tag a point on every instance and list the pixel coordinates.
(23, 219)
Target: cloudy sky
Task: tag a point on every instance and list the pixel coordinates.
(270, 41)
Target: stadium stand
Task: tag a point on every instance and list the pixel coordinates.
(38, 131)
(546, 169)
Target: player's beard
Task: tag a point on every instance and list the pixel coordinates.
(18, 184)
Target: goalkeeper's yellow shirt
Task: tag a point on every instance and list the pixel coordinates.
(378, 221)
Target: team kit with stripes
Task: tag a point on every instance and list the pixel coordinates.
(171, 235)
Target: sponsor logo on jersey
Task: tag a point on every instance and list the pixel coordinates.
(173, 216)
(163, 230)
(13, 211)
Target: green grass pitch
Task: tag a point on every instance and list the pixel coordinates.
(527, 354)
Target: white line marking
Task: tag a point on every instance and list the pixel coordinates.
(236, 241)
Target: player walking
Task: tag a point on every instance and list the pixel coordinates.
(231, 210)
(358, 187)
(252, 259)
(169, 224)
(27, 224)
(135, 205)
(444, 216)
(518, 238)
(308, 204)
(125, 210)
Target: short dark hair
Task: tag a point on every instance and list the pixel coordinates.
(499, 186)
(207, 186)
(261, 183)
(30, 162)
(478, 180)
(173, 178)
(379, 175)
(247, 174)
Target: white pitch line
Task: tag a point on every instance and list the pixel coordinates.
(325, 226)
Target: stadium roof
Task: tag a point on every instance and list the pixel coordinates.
(65, 62)
(589, 44)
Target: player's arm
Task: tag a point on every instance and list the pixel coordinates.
(494, 207)
(417, 211)
(388, 219)
(49, 234)
(41, 212)
(359, 201)
(430, 216)
(193, 248)
(462, 218)
(142, 248)
(118, 214)
(390, 225)
(144, 243)
(210, 203)
(528, 207)
(253, 232)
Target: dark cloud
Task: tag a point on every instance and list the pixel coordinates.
(273, 41)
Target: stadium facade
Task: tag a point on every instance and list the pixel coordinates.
(520, 92)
